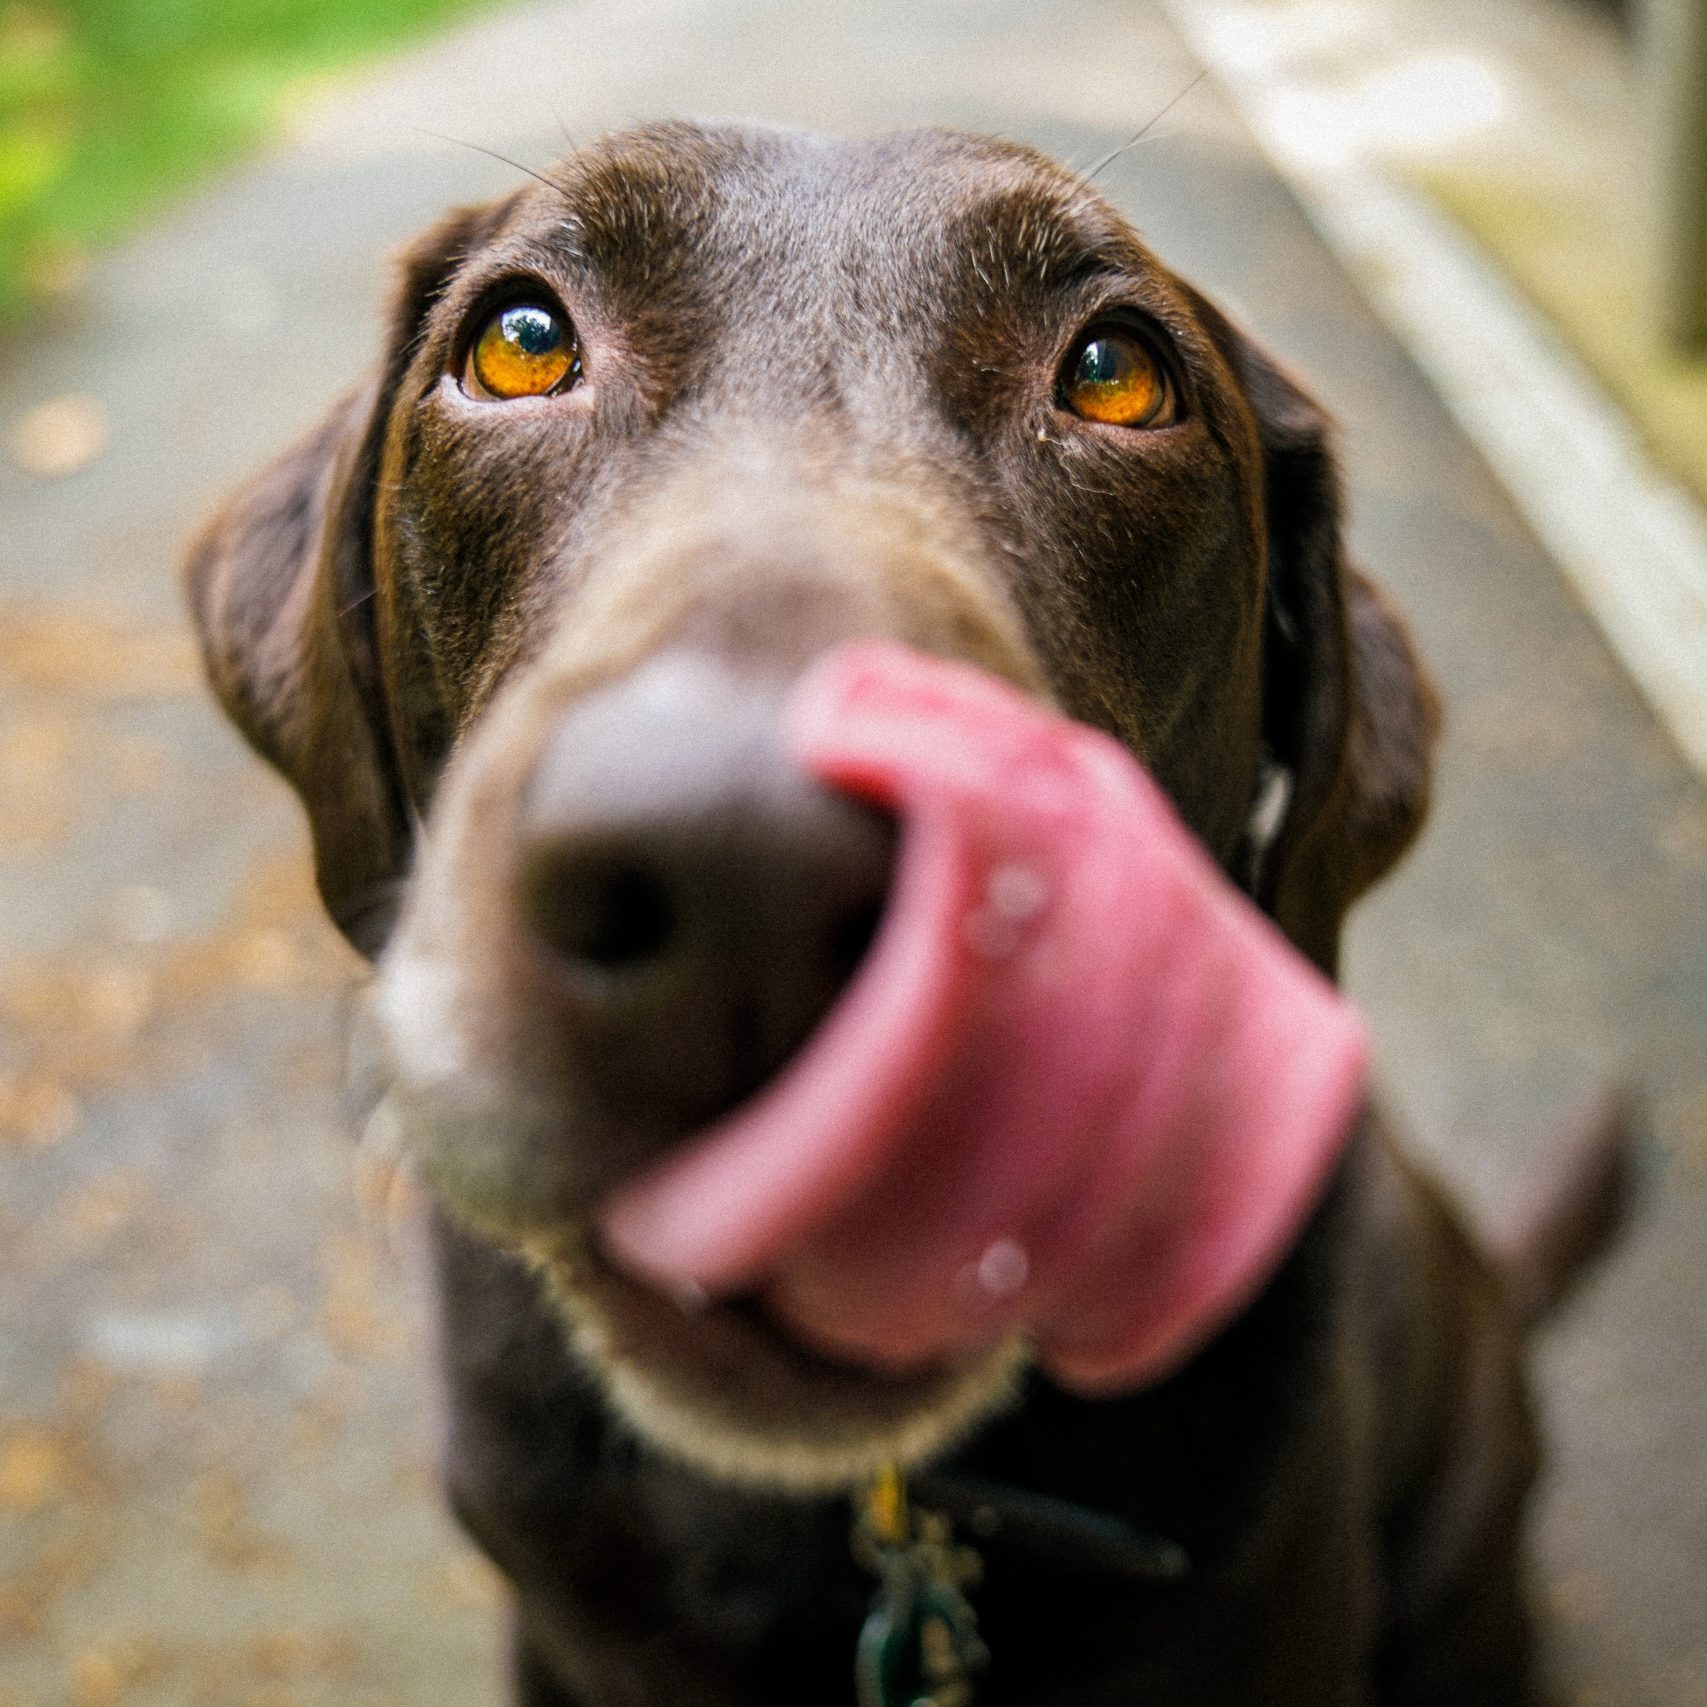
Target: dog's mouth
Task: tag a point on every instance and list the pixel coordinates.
(723, 1385)
(1077, 1096)
(1078, 1089)
(704, 1352)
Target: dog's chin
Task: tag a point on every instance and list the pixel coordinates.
(722, 1389)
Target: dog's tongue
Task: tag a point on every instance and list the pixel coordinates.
(1079, 1087)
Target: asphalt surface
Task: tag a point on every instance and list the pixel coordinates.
(216, 1431)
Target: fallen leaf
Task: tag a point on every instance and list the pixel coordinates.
(102, 1207)
(96, 1680)
(80, 651)
(61, 437)
(292, 1654)
(35, 1113)
(228, 1534)
(36, 1469)
(468, 1583)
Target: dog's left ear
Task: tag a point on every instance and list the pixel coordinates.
(281, 586)
(1350, 714)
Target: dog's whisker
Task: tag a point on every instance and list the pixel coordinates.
(493, 154)
(1132, 142)
(570, 140)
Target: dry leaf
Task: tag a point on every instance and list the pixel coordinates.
(36, 1469)
(35, 1113)
(82, 652)
(61, 437)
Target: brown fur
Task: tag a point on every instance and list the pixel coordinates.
(820, 402)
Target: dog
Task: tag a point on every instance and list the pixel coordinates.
(651, 435)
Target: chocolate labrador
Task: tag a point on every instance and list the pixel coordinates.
(649, 436)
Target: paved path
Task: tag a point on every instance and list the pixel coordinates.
(216, 1445)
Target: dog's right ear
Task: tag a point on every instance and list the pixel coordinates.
(1351, 712)
(1350, 715)
(281, 586)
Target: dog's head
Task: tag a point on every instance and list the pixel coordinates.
(517, 620)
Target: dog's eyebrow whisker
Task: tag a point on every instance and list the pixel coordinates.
(356, 603)
(569, 139)
(1132, 142)
(493, 154)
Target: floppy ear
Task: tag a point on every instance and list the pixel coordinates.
(1349, 711)
(281, 587)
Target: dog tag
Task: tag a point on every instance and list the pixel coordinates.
(919, 1646)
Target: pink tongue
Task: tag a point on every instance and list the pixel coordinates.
(1080, 1085)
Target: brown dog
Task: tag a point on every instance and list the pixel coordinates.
(515, 622)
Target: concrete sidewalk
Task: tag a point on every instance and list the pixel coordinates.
(216, 1439)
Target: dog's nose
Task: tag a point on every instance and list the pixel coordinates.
(700, 901)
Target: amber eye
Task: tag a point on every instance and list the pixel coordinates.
(1112, 376)
(523, 351)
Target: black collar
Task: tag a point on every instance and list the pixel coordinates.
(1073, 1536)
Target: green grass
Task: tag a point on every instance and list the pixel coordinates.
(108, 106)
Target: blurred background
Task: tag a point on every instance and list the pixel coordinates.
(1479, 226)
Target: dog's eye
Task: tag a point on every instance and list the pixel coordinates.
(526, 350)
(1113, 376)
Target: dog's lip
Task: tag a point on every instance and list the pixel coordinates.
(743, 1323)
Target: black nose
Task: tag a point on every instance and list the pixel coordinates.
(700, 900)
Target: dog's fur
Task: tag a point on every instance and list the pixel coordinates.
(820, 401)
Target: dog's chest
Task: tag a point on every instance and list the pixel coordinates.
(770, 1622)
(644, 1585)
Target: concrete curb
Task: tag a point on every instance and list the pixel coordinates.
(1628, 537)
